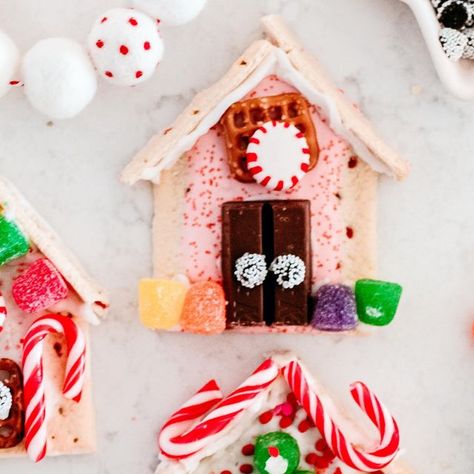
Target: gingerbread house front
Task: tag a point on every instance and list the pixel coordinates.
(265, 203)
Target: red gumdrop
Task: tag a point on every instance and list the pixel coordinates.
(204, 309)
(39, 287)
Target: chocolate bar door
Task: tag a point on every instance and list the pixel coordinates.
(241, 233)
(291, 235)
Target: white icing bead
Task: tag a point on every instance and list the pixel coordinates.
(9, 60)
(59, 78)
(171, 12)
(125, 46)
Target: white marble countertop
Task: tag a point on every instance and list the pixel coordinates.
(421, 365)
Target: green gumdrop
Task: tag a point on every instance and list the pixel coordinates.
(286, 445)
(13, 243)
(303, 472)
(377, 301)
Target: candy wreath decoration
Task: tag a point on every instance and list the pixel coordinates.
(123, 48)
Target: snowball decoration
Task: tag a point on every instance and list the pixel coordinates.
(278, 155)
(125, 46)
(9, 60)
(289, 270)
(251, 269)
(171, 12)
(59, 78)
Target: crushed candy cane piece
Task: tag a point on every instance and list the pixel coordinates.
(377, 301)
(204, 308)
(161, 302)
(39, 287)
(6, 401)
(13, 244)
(335, 308)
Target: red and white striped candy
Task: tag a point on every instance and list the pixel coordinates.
(3, 311)
(180, 437)
(340, 446)
(34, 390)
(278, 155)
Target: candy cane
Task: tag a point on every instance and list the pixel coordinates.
(3, 311)
(344, 450)
(34, 391)
(177, 440)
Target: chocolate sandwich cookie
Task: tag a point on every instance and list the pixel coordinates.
(261, 235)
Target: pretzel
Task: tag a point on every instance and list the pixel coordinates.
(12, 429)
(242, 119)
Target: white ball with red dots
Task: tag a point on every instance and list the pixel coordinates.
(278, 155)
(125, 46)
(9, 60)
(59, 77)
(171, 12)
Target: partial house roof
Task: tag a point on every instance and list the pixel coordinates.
(49, 243)
(280, 53)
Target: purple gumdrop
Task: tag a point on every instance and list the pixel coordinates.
(335, 308)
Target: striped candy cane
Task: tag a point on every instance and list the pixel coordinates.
(344, 450)
(34, 391)
(3, 311)
(178, 438)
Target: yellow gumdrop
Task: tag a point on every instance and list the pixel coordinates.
(161, 302)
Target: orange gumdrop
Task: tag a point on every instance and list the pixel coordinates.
(204, 308)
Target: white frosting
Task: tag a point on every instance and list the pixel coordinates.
(276, 63)
(5, 401)
(276, 465)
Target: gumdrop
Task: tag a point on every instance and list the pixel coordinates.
(204, 309)
(39, 287)
(161, 302)
(13, 244)
(335, 308)
(377, 301)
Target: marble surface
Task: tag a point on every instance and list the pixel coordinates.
(421, 365)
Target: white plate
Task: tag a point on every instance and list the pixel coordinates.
(457, 76)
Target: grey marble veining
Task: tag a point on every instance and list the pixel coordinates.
(421, 365)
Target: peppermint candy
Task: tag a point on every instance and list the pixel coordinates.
(251, 269)
(278, 155)
(5, 401)
(289, 270)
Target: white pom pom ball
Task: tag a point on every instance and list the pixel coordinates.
(171, 12)
(125, 46)
(9, 61)
(59, 77)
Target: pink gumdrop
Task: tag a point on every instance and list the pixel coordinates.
(39, 287)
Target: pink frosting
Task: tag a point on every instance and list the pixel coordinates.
(209, 185)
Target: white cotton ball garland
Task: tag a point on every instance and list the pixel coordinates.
(9, 61)
(125, 46)
(59, 77)
(171, 12)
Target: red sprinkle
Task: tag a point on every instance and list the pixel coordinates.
(103, 19)
(265, 417)
(146, 45)
(273, 451)
(248, 450)
(138, 74)
(100, 44)
(123, 50)
(108, 74)
(311, 459)
(14, 83)
(349, 232)
(133, 22)
(352, 163)
(246, 468)
(226, 472)
(321, 445)
(285, 421)
(304, 426)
